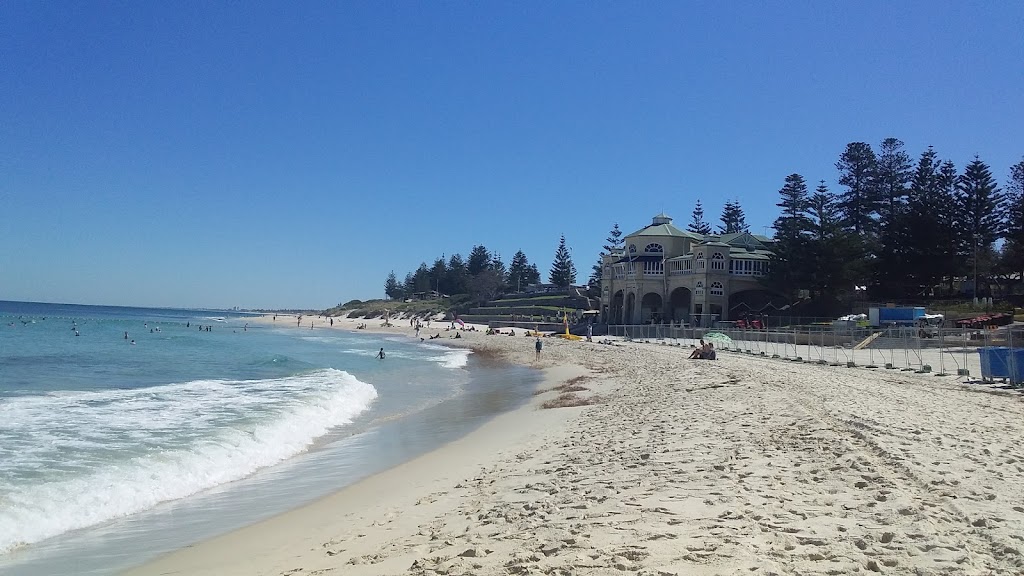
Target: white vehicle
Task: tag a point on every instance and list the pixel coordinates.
(928, 325)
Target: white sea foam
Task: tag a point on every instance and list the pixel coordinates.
(451, 357)
(74, 459)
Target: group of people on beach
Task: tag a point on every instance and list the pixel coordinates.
(706, 351)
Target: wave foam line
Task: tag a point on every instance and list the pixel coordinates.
(31, 513)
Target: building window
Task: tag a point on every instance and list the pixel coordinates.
(654, 248)
(632, 248)
(700, 261)
(717, 261)
(717, 289)
(699, 289)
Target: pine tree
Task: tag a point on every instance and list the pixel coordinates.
(614, 240)
(981, 207)
(794, 203)
(499, 269)
(479, 260)
(892, 175)
(392, 288)
(613, 243)
(698, 225)
(532, 275)
(421, 278)
(857, 169)
(1013, 250)
(833, 251)
(733, 219)
(792, 256)
(563, 272)
(518, 272)
(958, 248)
(409, 285)
(981, 203)
(928, 230)
(595, 273)
(439, 276)
(458, 275)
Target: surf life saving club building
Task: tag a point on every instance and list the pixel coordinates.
(664, 274)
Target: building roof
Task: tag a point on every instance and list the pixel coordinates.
(665, 230)
(750, 254)
(743, 239)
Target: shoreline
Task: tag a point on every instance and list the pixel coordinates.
(744, 464)
(378, 498)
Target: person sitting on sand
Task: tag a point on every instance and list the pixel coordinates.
(458, 335)
(698, 351)
(709, 352)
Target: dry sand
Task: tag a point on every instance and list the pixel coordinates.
(744, 465)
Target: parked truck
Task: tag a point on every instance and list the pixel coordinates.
(894, 316)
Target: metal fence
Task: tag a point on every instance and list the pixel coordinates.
(939, 351)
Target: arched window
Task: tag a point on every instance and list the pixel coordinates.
(717, 261)
(717, 289)
(653, 248)
(632, 248)
(698, 290)
(700, 261)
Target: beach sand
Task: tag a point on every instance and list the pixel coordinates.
(742, 465)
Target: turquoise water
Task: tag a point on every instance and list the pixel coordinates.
(141, 448)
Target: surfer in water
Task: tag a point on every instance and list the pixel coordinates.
(380, 354)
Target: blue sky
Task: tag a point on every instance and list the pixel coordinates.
(283, 154)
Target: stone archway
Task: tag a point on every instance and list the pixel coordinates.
(650, 308)
(679, 304)
(629, 310)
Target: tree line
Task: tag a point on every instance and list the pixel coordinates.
(900, 228)
(483, 275)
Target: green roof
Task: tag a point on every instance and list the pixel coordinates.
(664, 230)
(737, 253)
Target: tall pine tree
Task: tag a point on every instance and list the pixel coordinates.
(733, 219)
(613, 243)
(563, 272)
(927, 229)
(859, 203)
(698, 225)
(981, 210)
(1013, 249)
(834, 251)
(893, 171)
(392, 288)
(792, 258)
(457, 275)
(479, 260)
(519, 274)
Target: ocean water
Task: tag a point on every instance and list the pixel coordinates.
(112, 451)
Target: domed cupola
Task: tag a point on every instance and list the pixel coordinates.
(661, 219)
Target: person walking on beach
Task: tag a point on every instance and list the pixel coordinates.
(380, 354)
(537, 346)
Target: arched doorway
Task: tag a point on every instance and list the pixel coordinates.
(627, 312)
(679, 304)
(617, 301)
(650, 308)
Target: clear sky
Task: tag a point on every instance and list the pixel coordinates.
(263, 154)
